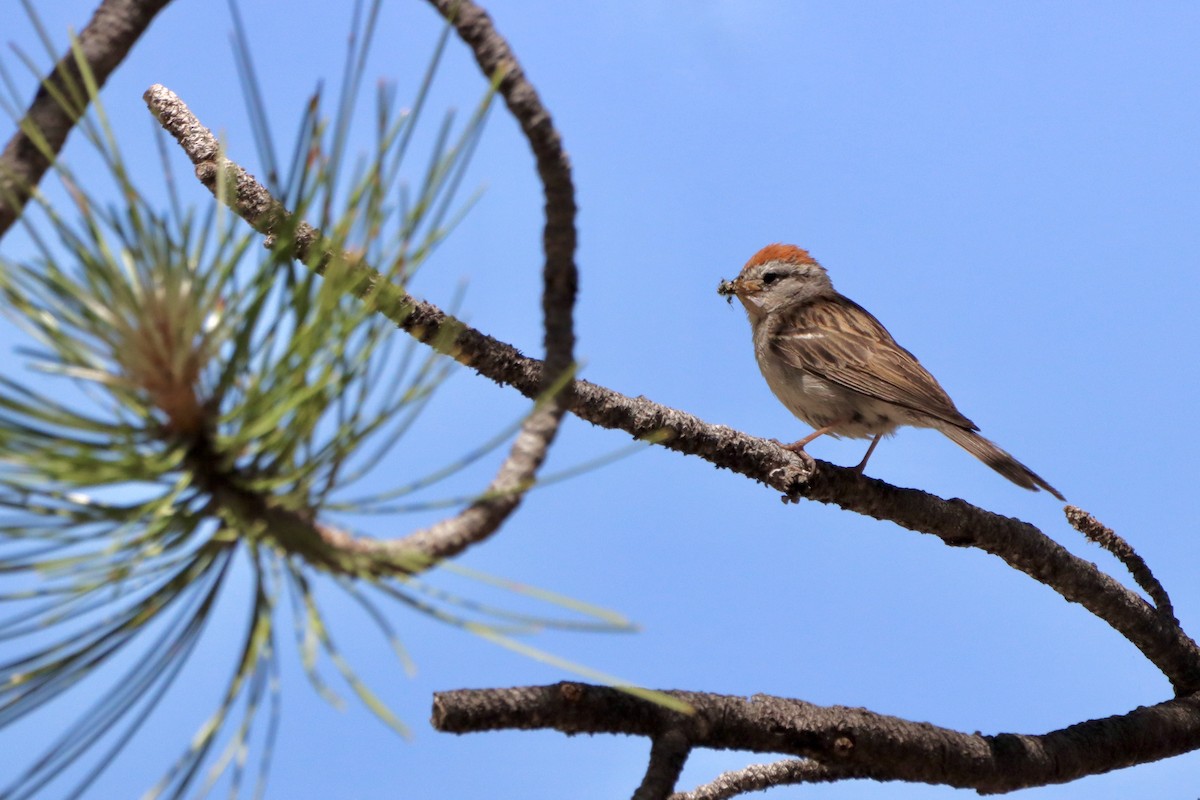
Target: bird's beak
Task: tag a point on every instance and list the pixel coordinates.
(739, 287)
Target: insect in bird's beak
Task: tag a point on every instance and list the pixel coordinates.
(725, 289)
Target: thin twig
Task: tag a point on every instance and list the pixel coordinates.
(1111, 541)
(758, 777)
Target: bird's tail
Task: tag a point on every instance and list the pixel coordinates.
(997, 459)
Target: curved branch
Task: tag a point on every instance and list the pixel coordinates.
(560, 280)
(845, 739)
(495, 57)
(955, 522)
(517, 473)
(104, 43)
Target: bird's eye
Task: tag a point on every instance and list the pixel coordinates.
(770, 278)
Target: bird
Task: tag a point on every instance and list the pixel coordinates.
(835, 366)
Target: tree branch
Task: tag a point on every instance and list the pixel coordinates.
(494, 57)
(560, 279)
(61, 99)
(668, 753)
(757, 777)
(517, 473)
(1107, 538)
(955, 522)
(852, 742)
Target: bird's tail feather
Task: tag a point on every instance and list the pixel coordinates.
(999, 460)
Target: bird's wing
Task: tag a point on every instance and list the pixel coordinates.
(839, 341)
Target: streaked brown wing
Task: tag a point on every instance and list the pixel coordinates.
(838, 340)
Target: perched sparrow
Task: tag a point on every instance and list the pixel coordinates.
(837, 368)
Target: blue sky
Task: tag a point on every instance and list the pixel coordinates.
(1012, 188)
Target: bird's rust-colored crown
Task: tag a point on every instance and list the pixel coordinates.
(780, 252)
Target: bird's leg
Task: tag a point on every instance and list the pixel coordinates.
(863, 464)
(798, 447)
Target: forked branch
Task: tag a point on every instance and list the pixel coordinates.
(841, 742)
